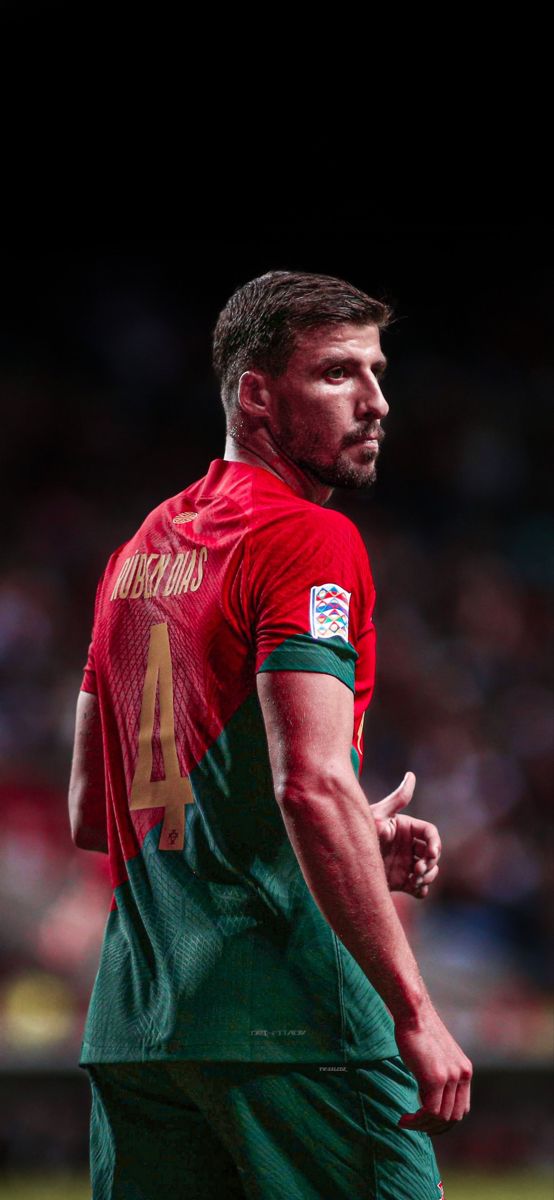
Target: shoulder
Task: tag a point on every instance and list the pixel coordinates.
(302, 539)
(158, 517)
(297, 542)
(291, 520)
(163, 514)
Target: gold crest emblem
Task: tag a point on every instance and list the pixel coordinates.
(182, 518)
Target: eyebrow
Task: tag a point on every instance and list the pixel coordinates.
(379, 367)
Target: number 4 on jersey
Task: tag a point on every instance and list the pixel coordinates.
(175, 790)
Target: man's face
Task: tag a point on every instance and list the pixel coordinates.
(326, 407)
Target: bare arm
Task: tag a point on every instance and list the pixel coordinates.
(309, 722)
(87, 792)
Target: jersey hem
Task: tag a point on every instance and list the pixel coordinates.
(214, 1051)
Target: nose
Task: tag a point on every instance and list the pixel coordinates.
(371, 399)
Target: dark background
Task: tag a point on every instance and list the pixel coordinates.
(109, 405)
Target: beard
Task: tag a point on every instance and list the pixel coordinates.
(343, 472)
(306, 451)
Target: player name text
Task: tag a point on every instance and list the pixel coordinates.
(143, 576)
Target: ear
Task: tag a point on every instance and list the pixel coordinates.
(253, 394)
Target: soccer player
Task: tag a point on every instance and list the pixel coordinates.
(258, 1025)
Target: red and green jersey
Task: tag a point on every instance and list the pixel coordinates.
(214, 946)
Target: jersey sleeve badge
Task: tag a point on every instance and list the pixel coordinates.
(329, 610)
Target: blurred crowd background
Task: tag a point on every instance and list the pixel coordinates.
(109, 404)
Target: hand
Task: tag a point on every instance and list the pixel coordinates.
(410, 848)
(441, 1068)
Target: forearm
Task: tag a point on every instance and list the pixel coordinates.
(332, 831)
(87, 789)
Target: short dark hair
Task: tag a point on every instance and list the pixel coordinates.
(257, 327)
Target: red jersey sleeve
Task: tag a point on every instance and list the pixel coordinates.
(89, 673)
(309, 593)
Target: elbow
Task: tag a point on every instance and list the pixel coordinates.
(309, 783)
(76, 824)
(78, 832)
(79, 837)
(86, 838)
(88, 832)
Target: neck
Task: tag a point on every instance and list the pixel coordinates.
(271, 458)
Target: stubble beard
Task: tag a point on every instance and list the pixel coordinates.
(343, 472)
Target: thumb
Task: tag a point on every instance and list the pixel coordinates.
(398, 799)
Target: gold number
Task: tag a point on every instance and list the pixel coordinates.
(175, 790)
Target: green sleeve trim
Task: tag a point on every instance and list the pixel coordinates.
(302, 652)
(355, 761)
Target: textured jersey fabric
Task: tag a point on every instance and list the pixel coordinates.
(214, 947)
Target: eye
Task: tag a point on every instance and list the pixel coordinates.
(331, 372)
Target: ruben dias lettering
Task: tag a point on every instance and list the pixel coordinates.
(144, 576)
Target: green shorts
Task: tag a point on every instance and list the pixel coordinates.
(266, 1131)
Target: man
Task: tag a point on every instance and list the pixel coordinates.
(255, 989)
